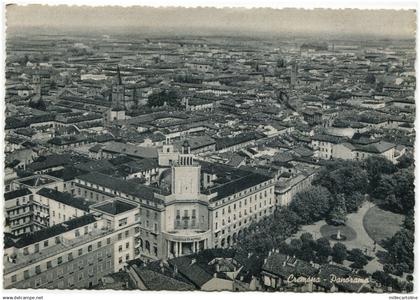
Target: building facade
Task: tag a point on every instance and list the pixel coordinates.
(73, 254)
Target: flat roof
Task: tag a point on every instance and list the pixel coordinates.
(115, 207)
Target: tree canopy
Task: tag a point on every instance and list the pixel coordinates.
(312, 204)
(168, 97)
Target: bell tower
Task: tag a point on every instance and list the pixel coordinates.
(37, 85)
(118, 91)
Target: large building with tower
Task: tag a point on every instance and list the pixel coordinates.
(194, 205)
(106, 221)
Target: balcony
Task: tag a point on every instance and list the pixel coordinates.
(187, 235)
(22, 215)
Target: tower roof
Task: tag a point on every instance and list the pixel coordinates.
(186, 144)
(119, 81)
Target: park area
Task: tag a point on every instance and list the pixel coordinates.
(364, 229)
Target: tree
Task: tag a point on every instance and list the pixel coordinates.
(392, 201)
(347, 178)
(385, 187)
(397, 191)
(404, 190)
(407, 160)
(339, 210)
(312, 204)
(307, 238)
(401, 249)
(169, 97)
(375, 167)
(323, 249)
(344, 177)
(295, 247)
(270, 232)
(354, 201)
(358, 258)
(409, 221)
(339, 253)
(382, 277)
(37, 104)
(307, 249)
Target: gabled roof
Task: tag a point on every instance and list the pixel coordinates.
(191, 270)
(156, 281)
(283, 265)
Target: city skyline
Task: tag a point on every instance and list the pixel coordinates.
(331, 22)
(266, 150)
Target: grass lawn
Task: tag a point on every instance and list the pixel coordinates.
(381, 224)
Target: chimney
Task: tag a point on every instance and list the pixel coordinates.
(265, 261)
(193, 261)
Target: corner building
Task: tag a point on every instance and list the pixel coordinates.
(74, 254)
(194, 205)
(208, 206)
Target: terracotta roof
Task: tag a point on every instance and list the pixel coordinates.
(284, 266)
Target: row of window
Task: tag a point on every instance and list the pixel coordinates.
(38, 269)
(247, 201)
(57, 240)
(238, 225)
(20, 221)
(19, 211)
(71, 279)
(240, 216)
(245, 192)
(23, 200)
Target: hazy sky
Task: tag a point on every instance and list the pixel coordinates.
(347, 21)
